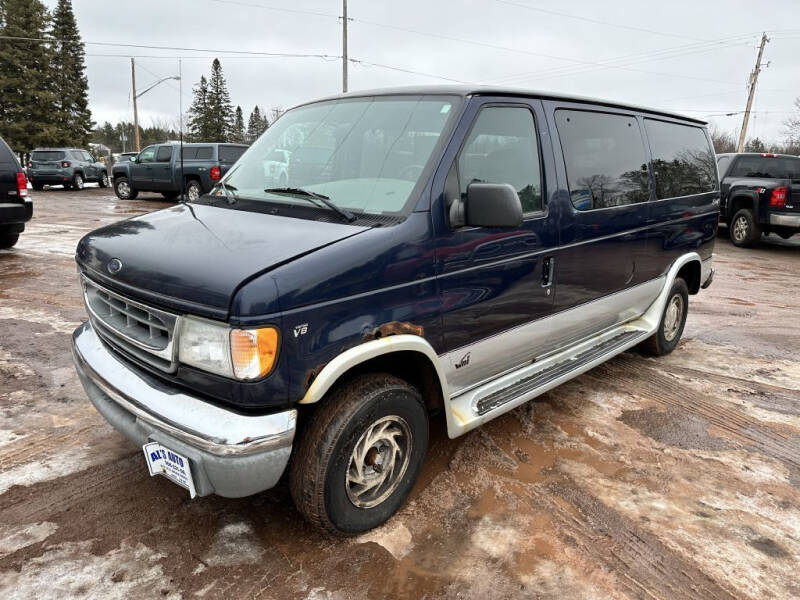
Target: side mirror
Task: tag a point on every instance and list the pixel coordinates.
(492, 205)
(133, 158)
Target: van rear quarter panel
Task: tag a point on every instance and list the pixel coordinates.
(613, 249)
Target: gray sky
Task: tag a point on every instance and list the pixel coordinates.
(692, 56)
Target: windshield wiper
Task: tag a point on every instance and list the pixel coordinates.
(230, 192)
(342, 212)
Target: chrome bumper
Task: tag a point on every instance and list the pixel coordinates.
(784, 220)
(233, 455)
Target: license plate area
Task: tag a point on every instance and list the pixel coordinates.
(172, 465)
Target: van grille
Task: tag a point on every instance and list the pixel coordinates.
(146, 333)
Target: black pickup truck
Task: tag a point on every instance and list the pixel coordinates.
(16, 207)
(760, 194)
(157, 168)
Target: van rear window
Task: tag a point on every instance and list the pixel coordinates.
(605, 159)
(230, 154)
(683, 159)
(47, 155)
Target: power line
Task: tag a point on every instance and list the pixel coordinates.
(278, 8)
(176, 48)
(598, 22)
(402, 70)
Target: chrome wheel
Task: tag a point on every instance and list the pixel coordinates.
(124, 189)
(378, 462)
(739, 230)
(193, 193)
(104, 180)
(673, 317)
(77, 181)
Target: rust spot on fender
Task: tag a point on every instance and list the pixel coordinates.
(394, 328)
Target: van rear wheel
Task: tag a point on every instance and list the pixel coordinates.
(360, 455)
(673, 320)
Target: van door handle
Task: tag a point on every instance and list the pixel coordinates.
(548, 264)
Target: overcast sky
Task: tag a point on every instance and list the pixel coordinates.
(690, 56)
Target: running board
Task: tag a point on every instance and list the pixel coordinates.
(477, 406)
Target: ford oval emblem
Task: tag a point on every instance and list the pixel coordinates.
(114, 266)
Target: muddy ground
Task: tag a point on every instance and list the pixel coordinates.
(644, 478)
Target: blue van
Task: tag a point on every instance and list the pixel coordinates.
(450, 250)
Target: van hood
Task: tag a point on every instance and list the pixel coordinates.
(192, 258)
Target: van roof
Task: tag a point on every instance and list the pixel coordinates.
(478, 90)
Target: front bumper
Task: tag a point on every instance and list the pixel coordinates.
(231, 455)
(785, 220)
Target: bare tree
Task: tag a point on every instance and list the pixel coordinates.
(723, 141)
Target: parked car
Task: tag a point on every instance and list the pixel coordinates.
(124, 157)
(158, 168)
(760, 194)
(16, 208)
(463, 251)
(276, 167)
(70, 167)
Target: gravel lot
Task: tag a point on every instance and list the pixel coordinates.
(644, 478)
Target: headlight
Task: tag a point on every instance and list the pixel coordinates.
(217, 348)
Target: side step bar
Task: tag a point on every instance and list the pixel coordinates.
(543, 377)
(477, 406)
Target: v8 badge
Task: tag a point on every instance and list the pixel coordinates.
(300, 329)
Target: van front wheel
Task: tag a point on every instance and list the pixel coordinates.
(673, 320)
(359, 457)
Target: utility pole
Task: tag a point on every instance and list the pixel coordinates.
(344, 46)
(752, 92)
(135, 108)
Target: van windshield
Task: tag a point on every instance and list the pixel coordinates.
(366, 155)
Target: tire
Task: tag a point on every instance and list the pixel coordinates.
(123, 189)
(670, 327)
(170, 195)
(324, 460)
(745, 231)
(37, 186)
(193, 190)
(103, 181)
(77, 182)
(8, 240)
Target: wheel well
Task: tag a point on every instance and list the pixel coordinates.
(412, 367)
(120, 174)
(740, 202)
(690, 273)
(188, 178)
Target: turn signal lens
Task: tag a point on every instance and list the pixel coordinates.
(253, 351)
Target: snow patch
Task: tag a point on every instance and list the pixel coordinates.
(21, 536)
(70, 570)
(234, 544)
(59, 465)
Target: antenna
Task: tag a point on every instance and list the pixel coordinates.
(180, 121)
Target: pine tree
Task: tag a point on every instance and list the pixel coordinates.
(220, 110)
(254, 125)
(238, 135)
(26, 105)
(198, 123)
(68, 79)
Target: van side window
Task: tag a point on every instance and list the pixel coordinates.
(164, 154)
(502, 148)
(683, 159)
(605, 159)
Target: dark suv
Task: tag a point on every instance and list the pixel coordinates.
(70, 167)
(760, 194)
(15, 206)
